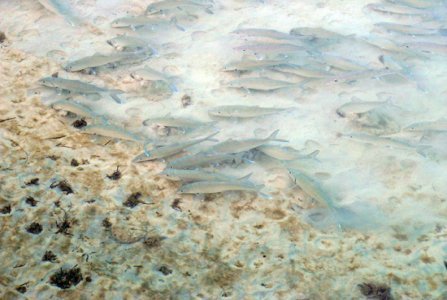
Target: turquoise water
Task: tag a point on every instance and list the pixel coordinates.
(237, 150)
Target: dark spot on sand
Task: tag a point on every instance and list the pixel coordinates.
(165, 270)
(5, 209)
(31, 201)
(21, 288)
(64, 226)
(153, 241)
(34, 181)
(115, 175)
(175, 204)
(106, 223)
(65, 279)
(63, 186)
(186, 100)
(133, 200)
(74, 163)
(375, 291)
(34, 228)
(49, 256)
(79, 123)
(445, 264)
(88, 279)
(2, 37)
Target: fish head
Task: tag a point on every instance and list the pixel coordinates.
(135, 75)
(215, 111)
(142, 157)
(121, 22)
(46, 81)
(68, 67)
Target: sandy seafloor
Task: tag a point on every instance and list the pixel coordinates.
(227, 246)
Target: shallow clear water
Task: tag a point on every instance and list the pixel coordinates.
(345, 201)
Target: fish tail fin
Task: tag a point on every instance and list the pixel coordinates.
(209, 138)
(423, 150)
(246, 176)
(313, 155)
(175, 23)
(173, 87)
(265, 196)
(274, 134)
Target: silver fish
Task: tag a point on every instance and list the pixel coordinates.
(419, 3)
(316, 32)
(237, 146)
(169, 150)
(78, 87)
(112, 131)
(150, 74)
(397, 9)
(75, 108)
(242, 111)
(135, 22)
(180, 5)
(261, 84)
(387, 142)
(203, 159)
(127, 42)
(60, 7)
(285, 152)
(210, 187)
(98, 60)
(75, 86)
(342, 63)
(358, 107)
(271, 48)
(176, 122)
(438, 125)
(250, 65)
(199, 175)
(265, 33)
(409, 29)
(427, 47)
(302, 71)
(314, 189)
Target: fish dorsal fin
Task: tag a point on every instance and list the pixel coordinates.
(273, 135)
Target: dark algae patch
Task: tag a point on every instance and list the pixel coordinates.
(65, 279)
(65, 225)
(34, 228)
(106, 223)
(165, 270)
(49, 256)
(133, 200)
(31, 201)
(2, 37)
(63, 186)
(5, 209)
(74, 163)
(153, 241)
(375, 291)
(34, 181)
(115, 175)
(21, 288)
(79, 123)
